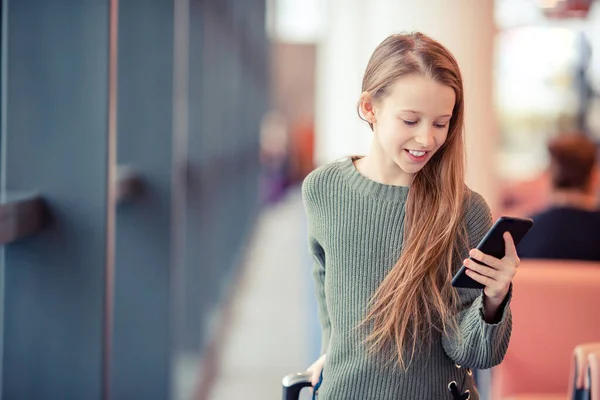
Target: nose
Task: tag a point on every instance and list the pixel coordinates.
(425, 137)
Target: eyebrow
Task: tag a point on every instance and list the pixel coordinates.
(418, 113)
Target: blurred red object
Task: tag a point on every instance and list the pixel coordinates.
(523, 199)
(559, 9)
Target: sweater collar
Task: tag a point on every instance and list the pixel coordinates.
(370, 187)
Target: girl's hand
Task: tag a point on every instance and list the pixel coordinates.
(497, 274)
(316, 369)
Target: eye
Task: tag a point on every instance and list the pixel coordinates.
(410, 123)
(441, 126)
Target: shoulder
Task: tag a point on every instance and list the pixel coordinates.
(561, 216)
(476, 208)
(477, 215)
(547, 214)
(317, 182)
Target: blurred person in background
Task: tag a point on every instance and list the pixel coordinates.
(387, 231)
(302, 143)
(570, 227)
(274, 157)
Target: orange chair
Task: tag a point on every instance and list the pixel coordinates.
(579, 383)
(581, 376)
(593, 375)
(554, 306)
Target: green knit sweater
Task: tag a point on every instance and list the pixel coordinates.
(355, 236)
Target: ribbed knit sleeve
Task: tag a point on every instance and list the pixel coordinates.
(318, 273)
(310, 195)
(478, 344)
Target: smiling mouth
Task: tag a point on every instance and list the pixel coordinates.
(417, 153)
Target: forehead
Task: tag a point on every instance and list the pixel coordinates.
(421, 94)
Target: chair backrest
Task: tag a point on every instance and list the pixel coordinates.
(592, 381)
(578, 382)
(555, 307)
(593, 378)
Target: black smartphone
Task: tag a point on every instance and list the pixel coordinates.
(493, 245)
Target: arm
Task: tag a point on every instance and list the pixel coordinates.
(478, 344)
(484, 326)
(318, 273)
(311, 193)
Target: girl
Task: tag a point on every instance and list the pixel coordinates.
(387, 232)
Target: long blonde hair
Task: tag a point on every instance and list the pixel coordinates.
(416, 298)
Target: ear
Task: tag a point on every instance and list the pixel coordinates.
(367, 108)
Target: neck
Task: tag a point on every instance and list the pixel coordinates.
(377, 167)
(575, 199)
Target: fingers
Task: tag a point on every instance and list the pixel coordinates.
(481, 269)
(484, 258)
(316, 369)
(493, 288)
(477, 277)
(497, 274)
(510, 253)
(315, 378)
(315, 373)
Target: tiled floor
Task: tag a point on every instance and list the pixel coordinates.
(268, 336)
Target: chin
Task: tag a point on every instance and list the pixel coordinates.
(407, 167)
(412, 170)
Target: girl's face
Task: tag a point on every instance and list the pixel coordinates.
(411, 121)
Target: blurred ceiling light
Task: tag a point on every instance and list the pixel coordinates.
(515, 13)
(295, 21)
